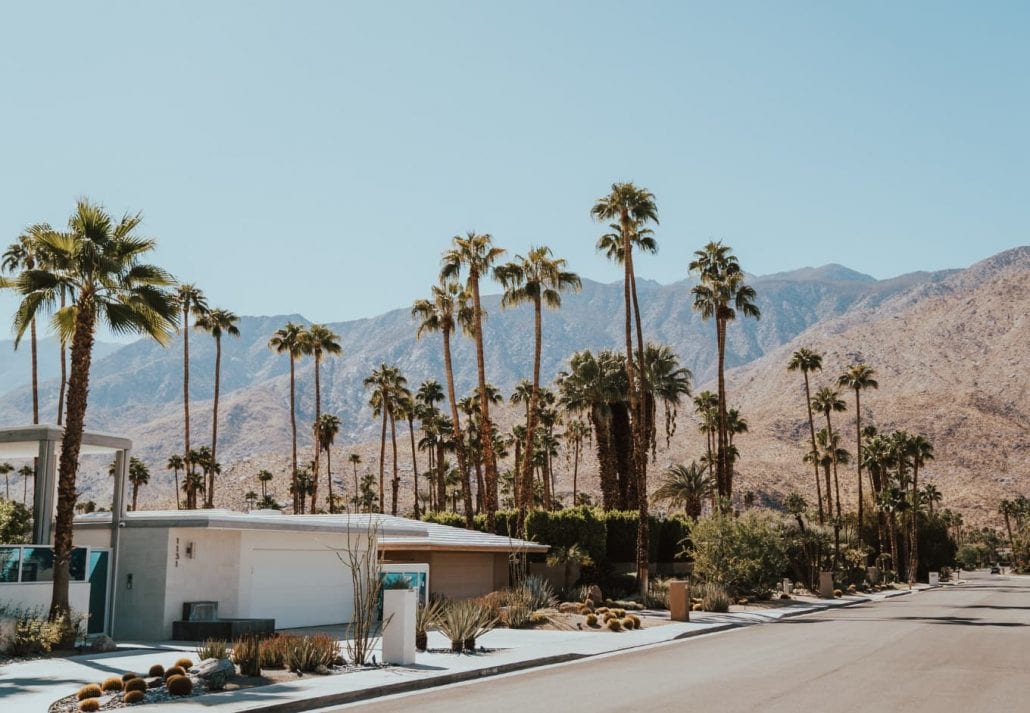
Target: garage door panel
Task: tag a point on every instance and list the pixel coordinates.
(300, 587)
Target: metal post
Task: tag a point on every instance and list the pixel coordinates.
(43, 493)
(121, 468)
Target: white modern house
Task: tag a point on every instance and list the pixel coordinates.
(134, 571)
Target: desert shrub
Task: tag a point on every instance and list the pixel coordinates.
(211, 649)
(714, 598)
(627, 604)
(581, 526)
(89, 705)
(35, 634)
(135, 684)
(174, 671)
(156, 670)
(15, 523)
(591, 619)
(179, 685)
(464, 621)
(90, 690)
(657, 593)
(135, 696)
(673, 534)
(246, 653)
(451, 519)
(743, 554)
(536, 592)
(306, 653)
(540, 616)
(114, 683)
(516, 615)
(273, 651)
(615, 624)
(494, 601)
(184, 663)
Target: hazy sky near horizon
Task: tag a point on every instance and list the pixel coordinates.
(316, 157)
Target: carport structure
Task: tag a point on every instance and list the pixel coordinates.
(41, 442)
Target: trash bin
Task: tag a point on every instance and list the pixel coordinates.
(679, 600)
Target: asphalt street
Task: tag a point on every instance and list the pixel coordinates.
(961, 648)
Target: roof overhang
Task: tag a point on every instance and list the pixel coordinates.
(23, 441)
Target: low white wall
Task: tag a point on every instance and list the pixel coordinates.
(27, 596)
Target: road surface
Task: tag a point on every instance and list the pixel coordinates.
(959, 648)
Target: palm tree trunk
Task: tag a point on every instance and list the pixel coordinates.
(723, 479)
(815, 449)
(414, 461)
(186, 383)
(35, 374)
(575, 472)
(456, 433)
(396, 481)
(135, 493)
(485, 427)
(64, 373)
(318, 414)
(214, 424)
(913, 551)
(298, 497)
(71, 443)
(382, 460)
(858, 459)
(525, 478)
(441, 480)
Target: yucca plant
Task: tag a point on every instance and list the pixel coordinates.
(426, 615)
(464, 621)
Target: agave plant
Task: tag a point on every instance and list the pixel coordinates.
(426, 615)
(464, 621)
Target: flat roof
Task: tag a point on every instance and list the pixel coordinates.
(23, 441)
(395, 533)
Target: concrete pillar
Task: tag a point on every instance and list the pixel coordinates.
(121, 469)
(679, 600)
(826, 585)
(44, 491)
(399, 626)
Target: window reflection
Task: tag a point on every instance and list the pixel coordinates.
(10, 557)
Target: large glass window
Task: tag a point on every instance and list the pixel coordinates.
(10, 558)
(37, 564)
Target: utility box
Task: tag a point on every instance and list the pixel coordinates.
(826, 585)
(935, 578)
(679, 600)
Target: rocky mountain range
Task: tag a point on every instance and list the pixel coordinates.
(948, 347)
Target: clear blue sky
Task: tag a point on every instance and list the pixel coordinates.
(316, 157)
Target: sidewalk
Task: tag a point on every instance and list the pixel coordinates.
(34, 685)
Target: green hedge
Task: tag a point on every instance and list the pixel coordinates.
(605, 536)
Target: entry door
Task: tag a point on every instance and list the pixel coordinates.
(98, 575)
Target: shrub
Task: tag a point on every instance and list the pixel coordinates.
(112, 684)
(615, 624)
(464, 621)
(744, 554)
(211, 649)
(135, 684)
(516, 615)
(15, 523)
(179, 685)
(184, 663)
(129, 675)
(539, 616)
(246, 653)
(273, 651)
(536, 592)
(591, 619)
(135, 696)
(90, 690)
(174, 671)
(657, 593)
(306, 653)
(156, 670)
(714, 598)
(90, 704)
(34, 634)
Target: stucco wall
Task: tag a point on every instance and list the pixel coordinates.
(139, 612)
(28, 596)
(210, 573)
(92, 537)
(459, 575)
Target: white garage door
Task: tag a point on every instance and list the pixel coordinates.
(300, 587)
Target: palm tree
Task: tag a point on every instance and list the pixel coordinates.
(1009, 510)
(326, 429)
(831, 454)
(190, 300)
(632, 208)
(264, 477)
(575, 433)
(388, 386)
(290, 341)
(26, 472)
(858, 377)
(100, 263)
(408, 408)
(6, 469)
(721, 294)
(216, 322)
(827, 401)
(931, 496)
(446, 310)
(537, 279)
(920, 450)
(474, 255)
(666, 383)
(175, 464)
(319, 341)
(139, 475)
(687, 486)
(805, 360)
(355, 461)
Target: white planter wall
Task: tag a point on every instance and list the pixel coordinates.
(399, 626)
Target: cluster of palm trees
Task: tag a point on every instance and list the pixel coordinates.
(892, 462)
(1017, 512)
(27, 472)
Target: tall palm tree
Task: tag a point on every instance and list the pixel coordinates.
(388, 388)
(139, 475)
(409, 409)
(290, 340)
(931, 496)
(827, 401)
(319, 341)
(264, 477)
(632, 209)
(216, 322)
(175, 464)
(920, 450)
(101, 265)
(355, 460)
(474, 256)
(190, 300)
(326, 429)
(575, 433)
(805, 360)
(858, 377)
(721, 295)
(27, 472)
(686, 485)
(831, 454)
(666, 384)
(22, 255)
(538, 279)
(6, 469)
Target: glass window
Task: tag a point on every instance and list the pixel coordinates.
(10, 557)
(77, 567)
(37, 565)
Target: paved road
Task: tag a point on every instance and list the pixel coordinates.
(955, 649)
